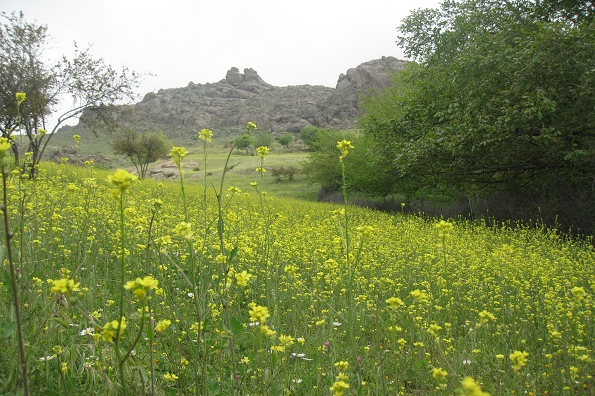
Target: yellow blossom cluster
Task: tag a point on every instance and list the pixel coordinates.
(141, 286)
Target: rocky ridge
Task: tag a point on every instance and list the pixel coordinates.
(241, 97)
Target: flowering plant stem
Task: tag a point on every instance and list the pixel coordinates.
(13, 282)
(346, 239)
(149, 306)
(121, 360)
(194, 275)
(226, 265)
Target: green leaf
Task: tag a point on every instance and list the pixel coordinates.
(232, 255)
(7, 329)
(213, 384)
(236, 326)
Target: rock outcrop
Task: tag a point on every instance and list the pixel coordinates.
(241, 97)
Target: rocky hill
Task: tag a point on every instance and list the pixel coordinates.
(241, 97)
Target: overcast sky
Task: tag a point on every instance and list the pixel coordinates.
(287, 42)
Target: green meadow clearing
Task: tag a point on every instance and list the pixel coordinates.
(249, 287)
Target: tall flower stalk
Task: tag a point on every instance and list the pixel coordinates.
(121, 180)
(155, 206)
(184, 229)
(344, 147)
(77, 144)
(226, 258)
(4, 147)
(206, 135)
(262, 152)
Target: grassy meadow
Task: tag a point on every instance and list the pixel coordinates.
(182, 287)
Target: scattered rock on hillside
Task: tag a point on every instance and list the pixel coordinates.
(78, 158)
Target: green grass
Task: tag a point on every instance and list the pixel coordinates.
(244, 172)
(240, 176)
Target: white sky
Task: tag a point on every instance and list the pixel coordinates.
(288, 42)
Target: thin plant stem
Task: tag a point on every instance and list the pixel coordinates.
(226, 265)
(204, 157)
(194, 282)
(346, 217)
(149, 305)
(220, 229)
(136, 339)
(121, 302)
(13, 281)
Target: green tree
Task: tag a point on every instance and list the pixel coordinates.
(322, 166)
(366, 173)
(141, 148)
(310, 135)
(501, 99)
(87, 82)
(286, 140)
(262, 138)
(245, 142)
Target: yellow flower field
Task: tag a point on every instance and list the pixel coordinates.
(243, 293)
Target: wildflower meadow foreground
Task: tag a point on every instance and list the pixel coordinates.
(121, 286)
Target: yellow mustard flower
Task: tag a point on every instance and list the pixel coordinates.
(471, 388)
(420, 295)
(485, 317)
(339, 388)
(170, 377)
(344, 146)
(20, 96)
(578, 292)
(262, 151)
(286, 340)
(434, 329)
(113, 328)
(205, 134)
(121, 179)
(184, 230)
(242, 278)
(162, 325)
(266, 330)
(519, 360)
(444, 227)
(140, 287)
(259, 313)
(4, 144)
(177, 154)
(250, 127)
(439, 373)
(365, 230)
(394, 303)
(64, 285)
(342, 365)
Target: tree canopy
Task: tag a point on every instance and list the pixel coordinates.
(88, 82)
(141, 148)
(502, 99)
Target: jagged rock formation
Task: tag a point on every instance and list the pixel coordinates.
(238, 98)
